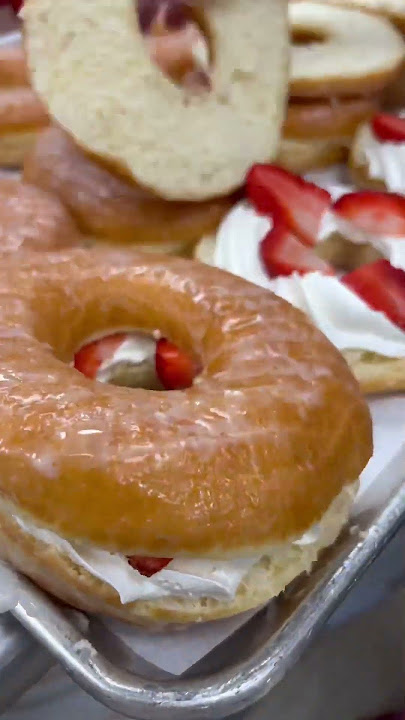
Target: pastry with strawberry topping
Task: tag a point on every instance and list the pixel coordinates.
(377, 156)
(146, 470)
(339, 257)
(343, 59)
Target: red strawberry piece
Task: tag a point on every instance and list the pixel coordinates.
(90, 357)
(148, 566)
(283, 254)
(374, 212)
(382, 287)
(175, 368)
(388, 128)
(303, 204)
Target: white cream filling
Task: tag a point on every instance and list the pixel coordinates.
(385, 160)
(343, 317)
(183, 577)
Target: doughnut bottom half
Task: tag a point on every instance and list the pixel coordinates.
(56, 573)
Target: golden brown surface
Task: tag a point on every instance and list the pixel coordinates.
(252, 453)
(21, 112)
(20, 109)
(107, 206)
(13, 68)
(33, 219)
(376, 373)
(327, 118)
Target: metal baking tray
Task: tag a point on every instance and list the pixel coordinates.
(23, 662)
(264, 649)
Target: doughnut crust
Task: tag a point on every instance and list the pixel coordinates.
(33, 219)
(105, 90)
(353, 53)
(108, 207)
(21, 112)
(245, 458)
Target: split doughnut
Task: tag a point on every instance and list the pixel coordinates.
(241, 460)
(340, 51)
(182, 145)
(112, 209)
(33, 219)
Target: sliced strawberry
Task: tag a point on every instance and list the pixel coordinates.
(91, 356)
(283, 254)
(148, 566)
(374, 212)
(382, 287)
(388, 128)
(175, 368)
(302, 203)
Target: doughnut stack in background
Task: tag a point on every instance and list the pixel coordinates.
(22, 115)
(343, 60)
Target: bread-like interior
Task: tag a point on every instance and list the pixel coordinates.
(104, 88)
(56, 573)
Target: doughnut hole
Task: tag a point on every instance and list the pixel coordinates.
(305, 36)
(178, 41)
(117, 339)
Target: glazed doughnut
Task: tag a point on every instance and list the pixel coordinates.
(94, 464)
(111, 208)
(340, 51)
(182, 145)
(21, 112)
(33, 219)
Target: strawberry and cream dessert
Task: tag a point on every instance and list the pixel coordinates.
(292, 237)
(377, 157)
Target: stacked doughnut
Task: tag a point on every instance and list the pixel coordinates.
(165, 182)
(22, 114)
(342, 61)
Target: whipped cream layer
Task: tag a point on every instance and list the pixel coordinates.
(348, 322)
(385, 160)
(183, 577)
